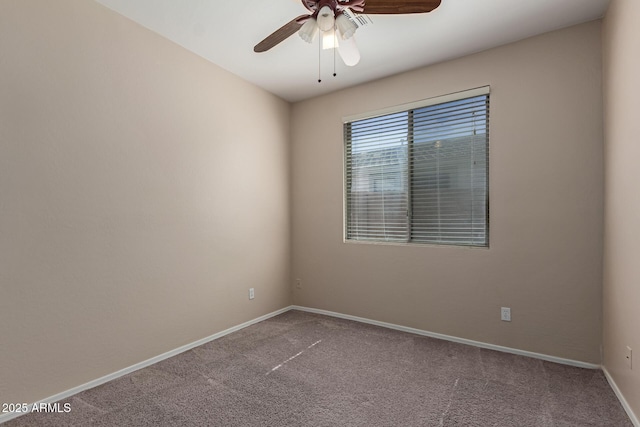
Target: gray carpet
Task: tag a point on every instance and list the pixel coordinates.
(301, 369)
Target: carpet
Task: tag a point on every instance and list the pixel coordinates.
(302, 369)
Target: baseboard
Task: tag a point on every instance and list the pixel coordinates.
(480, 344)
(94, 383)
(623, 401)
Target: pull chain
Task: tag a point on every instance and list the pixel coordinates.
(335, 47)
(319, 56)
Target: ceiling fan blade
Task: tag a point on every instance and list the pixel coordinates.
(280, 34)
(393, 7)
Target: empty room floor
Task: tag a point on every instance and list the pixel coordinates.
(303, 369)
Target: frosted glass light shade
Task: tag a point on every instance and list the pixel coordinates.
(308, 30)
(326, 19)
(346, 27)
(349, 52)
(329, 40)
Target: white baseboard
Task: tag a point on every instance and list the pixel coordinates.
(94, 383)
(623, 401)
(452, 338)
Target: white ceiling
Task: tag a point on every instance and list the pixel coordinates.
(225, 32)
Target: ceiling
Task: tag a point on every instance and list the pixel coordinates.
(224, 32)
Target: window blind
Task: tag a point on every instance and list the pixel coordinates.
(420, 175)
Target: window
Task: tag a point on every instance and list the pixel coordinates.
(419, 173)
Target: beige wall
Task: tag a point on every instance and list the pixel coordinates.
(546, 184)
(621, 41)
(137, 206)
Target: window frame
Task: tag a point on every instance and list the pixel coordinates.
(408, 108)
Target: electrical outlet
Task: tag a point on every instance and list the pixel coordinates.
(629, 357)
(251, 293)
(505, 314)
(298, 284)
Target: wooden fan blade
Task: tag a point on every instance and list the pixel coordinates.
(281, 34)
(393, 7)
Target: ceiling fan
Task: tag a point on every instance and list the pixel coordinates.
(334, 19)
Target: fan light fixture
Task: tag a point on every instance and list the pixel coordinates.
(346, 27)
(349, 52)
(336, 33)
(309, 30)
(329, 40)
(334, 18)
(326, 18)
(342, 26)
(328, 14)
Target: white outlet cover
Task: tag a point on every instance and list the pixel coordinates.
(505, 314)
